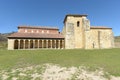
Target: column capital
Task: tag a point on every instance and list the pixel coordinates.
(19, 39)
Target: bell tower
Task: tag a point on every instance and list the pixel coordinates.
(74, 30)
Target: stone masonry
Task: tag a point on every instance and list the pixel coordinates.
(79, 34)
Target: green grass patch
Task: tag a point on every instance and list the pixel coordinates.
(3, 45)
(108, 59)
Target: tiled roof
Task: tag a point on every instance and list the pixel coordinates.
(99, 27)
(35, 35)
(37, 27)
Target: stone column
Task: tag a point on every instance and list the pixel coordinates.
(38, 44)
(19, 44)
(63, 44)
(28, 44)
(46, 43)
(33, 44)
(11, 43)
(42, 43)
(58, 44)
(23, 44)
(55, 43)
(51, 44)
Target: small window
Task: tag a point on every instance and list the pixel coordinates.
(42, 31)
(78, 24)
(32, 31)
(25, 31)
(47, 31)
(37, 31)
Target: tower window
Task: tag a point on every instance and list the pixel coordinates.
(78, 24)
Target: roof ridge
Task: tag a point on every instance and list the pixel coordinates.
(38, 27)
(35, 35)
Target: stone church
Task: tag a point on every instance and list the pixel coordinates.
(76, 34)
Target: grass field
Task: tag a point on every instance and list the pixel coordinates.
(108, 59)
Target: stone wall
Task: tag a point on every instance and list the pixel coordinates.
(68, 32)
(10, 44)
(99, 38)
(74, 35)
(82, 36)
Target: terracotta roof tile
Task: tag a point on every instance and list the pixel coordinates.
(35, 35)
(37, 27)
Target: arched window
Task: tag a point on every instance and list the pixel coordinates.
(78, 23)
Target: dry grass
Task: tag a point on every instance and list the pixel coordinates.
(55, 72)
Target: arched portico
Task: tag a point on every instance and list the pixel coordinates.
(39, 43)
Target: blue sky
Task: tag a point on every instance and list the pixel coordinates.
(52, 12)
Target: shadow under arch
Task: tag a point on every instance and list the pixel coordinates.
(16, 44)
